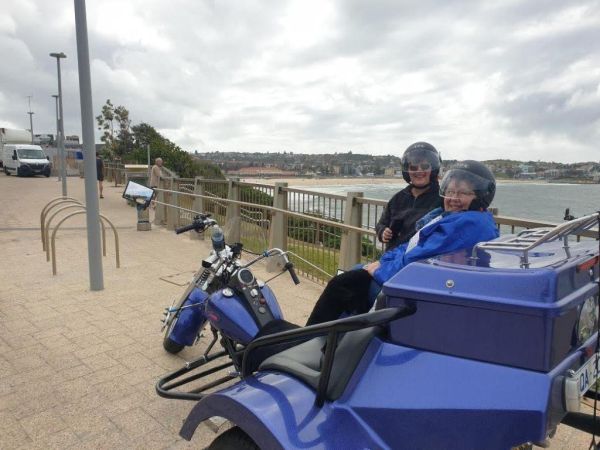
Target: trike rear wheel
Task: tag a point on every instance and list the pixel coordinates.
(233, 439)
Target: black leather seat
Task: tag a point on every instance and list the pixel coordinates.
(304, 361)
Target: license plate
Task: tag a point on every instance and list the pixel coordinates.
(578, 383)
(587, 375)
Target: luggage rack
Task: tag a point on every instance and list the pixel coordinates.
(527, 240)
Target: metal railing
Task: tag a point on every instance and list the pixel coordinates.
(318, 245)
(114, 172)
(323, 232)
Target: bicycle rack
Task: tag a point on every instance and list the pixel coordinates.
(53, 238)
(46, 209)
(47, 230)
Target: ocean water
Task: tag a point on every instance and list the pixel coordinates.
(534, 201)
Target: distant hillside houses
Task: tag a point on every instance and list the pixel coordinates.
(262, 172)
(289, 164)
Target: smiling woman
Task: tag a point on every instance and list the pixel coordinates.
(468, 185)
(462, 223)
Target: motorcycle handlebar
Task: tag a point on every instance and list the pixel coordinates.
(191, 226)
(200, 223)
(290, 268)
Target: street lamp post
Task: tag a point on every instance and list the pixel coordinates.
(31, 113)
(89, 150)
(149, 167)
(61, 139)
(57, 138)
(30, 118)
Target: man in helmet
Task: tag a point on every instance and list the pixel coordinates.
(463, 220)
(420, 168)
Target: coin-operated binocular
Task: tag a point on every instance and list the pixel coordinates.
(142, 197)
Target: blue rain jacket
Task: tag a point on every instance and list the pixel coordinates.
(453, 231)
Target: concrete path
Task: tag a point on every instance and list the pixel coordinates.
(77, 368)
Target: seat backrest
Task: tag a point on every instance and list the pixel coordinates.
(304, 361)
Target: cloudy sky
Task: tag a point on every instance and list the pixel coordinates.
(478, 79)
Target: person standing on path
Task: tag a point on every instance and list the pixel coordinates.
(100, 173)
(155, 173)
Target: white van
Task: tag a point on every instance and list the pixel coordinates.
(24, 160)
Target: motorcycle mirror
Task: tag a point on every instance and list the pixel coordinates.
(276, 263)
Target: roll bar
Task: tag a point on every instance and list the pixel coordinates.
(332, 329)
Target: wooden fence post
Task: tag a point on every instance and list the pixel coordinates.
(278, 228)
(233, 219)
(159, 214)
(172, 213)
(198, 204)
(119, 173)
(350, 247)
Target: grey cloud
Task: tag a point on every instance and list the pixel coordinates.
(189, 69)
(553, 114)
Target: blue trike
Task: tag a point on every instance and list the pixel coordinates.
(490, 348)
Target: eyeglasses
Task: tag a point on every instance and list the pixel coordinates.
(420, 166)
(458, 194)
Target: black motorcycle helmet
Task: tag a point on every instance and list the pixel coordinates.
(421, 151)
(479, 176)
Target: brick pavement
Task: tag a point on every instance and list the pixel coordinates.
(77, 368)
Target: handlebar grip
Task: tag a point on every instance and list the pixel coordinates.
(191, 226)
(290, 268)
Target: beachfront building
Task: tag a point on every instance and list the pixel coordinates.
(262, 172)
(393, 171)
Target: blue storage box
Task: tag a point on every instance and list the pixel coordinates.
(492, 309)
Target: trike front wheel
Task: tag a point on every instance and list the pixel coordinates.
(169, 344)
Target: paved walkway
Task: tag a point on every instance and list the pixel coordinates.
(77, 368)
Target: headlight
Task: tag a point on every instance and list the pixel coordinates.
(588, 319)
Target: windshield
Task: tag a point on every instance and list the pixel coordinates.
(30, 153)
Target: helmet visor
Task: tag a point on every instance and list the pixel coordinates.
(459, 183)
(420, 159)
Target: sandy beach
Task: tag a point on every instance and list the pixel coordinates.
(344, 181)
(338, 181)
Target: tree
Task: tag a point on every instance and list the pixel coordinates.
(125, 138)
(172, 155)
(131, 144)
(121, 143)
(106, 121)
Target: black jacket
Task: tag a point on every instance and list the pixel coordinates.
(402, 212)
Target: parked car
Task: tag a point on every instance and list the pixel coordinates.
(25, 160)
